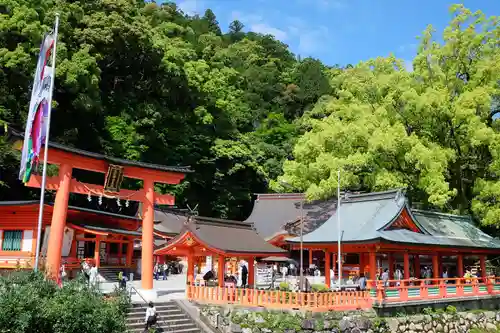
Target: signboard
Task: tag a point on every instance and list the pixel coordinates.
(264, 275)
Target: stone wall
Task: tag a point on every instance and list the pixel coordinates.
(238, 320)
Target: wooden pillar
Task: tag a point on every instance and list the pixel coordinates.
(251, 272)
(58, 221)
(328, 257)
(460, 265)
(416, 264)
(310, 252)
(406, 266)
(482, 265)
(147, 235)
(190, 268)
(373, 265)
(73, 253)
(391, 266)
(361, 263)
(97, 251)
(130, 252)
(435, 266)
(221, 262)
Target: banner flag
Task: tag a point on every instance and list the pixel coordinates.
(38, 111)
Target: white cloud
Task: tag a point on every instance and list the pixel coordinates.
(310, 39)
(325, 4)
(265, 29)
(256, 23)
(191, 7)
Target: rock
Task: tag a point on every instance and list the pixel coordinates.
(491, 327)
(308, 324)
(489, 315)
(266, 330)
(393, 324)
(235, 328)
(412, 326)
(471, 317)
(428, 327)
(335, 330)
(259, 320)
(419, 327)
(344, 325)
(363, 323)
(356, 330)
(249, 330)
(439, 327)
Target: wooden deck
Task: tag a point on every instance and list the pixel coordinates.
(403, 291)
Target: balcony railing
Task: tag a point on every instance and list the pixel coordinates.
(377, 293)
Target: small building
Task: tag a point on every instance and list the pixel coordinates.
(107, 239)
(277, 217)
(381, 231)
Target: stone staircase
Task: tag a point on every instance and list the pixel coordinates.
(110, 274)
(171, 318)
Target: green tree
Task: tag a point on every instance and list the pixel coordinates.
(430, 130)
(31, 303)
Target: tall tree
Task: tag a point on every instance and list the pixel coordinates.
(430, 130)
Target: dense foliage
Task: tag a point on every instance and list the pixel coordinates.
(432, 130)
(145, 82)
(31, 303)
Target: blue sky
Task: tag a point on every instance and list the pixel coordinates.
(339, 31)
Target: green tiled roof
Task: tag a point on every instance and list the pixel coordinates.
(364, 217)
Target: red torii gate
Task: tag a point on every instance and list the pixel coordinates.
(115, 169)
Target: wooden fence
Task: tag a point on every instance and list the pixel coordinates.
(402, 291)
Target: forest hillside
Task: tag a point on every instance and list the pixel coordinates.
(147, 82)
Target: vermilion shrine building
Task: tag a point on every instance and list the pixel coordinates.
(380, 230)
(68, 159)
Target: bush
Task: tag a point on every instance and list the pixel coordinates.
(319, 288)
(30, 303)
(284, 286)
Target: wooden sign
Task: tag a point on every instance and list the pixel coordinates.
(114, 178)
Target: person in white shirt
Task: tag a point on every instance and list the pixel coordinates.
(293, 272)
(150, 316)
(332, 277)
(93, 275)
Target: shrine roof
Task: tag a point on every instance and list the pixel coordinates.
(98, 228)
(364, 218)
(167, 222)
(230, 237)
(114, 160)
(273, 212)
(70, 208)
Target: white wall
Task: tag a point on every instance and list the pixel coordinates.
(27, 244)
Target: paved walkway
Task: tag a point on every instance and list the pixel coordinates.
(173, 288)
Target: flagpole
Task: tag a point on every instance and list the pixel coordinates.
(339, 236)
(46, 148)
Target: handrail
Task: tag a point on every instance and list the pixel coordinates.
(145, 302)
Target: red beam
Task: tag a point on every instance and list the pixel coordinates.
(52, 184)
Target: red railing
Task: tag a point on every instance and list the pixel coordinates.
(340, 301)
(432, 289)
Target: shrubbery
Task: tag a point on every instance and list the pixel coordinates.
(30, 303)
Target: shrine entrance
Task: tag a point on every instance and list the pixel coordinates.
(68, 159)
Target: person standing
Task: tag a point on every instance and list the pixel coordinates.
(165, 271)
(332, 277)
(244, 275)
(93, 276)
(150, 316)
(385, 277)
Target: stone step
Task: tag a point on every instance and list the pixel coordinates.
(164, 314)
(166, 329)
(158, 308)
(163, 324)
(171, 319)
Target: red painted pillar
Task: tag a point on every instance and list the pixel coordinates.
(190, 268)
(328, 257)
(221, 270)
(406, 268)
(97, 251)
(147, 234)
(310, 252)
(391, 266)
(58, 221)
(482, 265)
(460, 265)
(373, 265)
(251, 272)
(435, 266)
(416, 263)
(361, 263)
